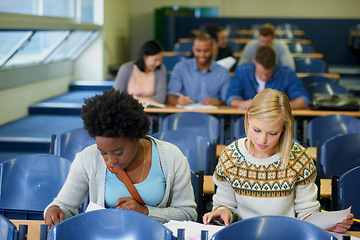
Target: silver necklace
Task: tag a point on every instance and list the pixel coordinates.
(142, 174)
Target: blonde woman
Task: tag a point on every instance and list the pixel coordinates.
(266, 173)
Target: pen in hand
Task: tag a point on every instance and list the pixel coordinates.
(181, 95)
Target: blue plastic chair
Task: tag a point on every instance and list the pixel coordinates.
(110, 224)
(197, 149)
(347, 192)
(339, 155)
(197, 182)
(310, 65)
(272, 227)
(235, 46)
(296, 47)
(239, 128)
(29, 183)
(203, 124)
(8, 230)
(322, 128)
(309, 80)
(183, 46)
(325, 88)
(171, 61)
(72, 142)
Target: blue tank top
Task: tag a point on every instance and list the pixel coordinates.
(151, 190)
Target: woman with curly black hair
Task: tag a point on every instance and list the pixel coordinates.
(157, 169)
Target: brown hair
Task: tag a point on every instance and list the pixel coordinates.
(267, 29)
(266, 56)
(271, 105)
(203, 37)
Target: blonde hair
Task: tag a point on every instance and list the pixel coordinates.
(271, 105)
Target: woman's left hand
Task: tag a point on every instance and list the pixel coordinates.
(343, 226)
(128, 203)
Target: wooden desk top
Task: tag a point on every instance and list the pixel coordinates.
(294, 55)
(285, 40)
(234, 111)
(328, 75)
(33, 227)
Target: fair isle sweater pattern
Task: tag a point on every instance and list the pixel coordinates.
(265, 180)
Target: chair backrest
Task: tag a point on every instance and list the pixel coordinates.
(8, 230)
(325, 88)
(29, 183)
(272, 227)
(203, 124)
(72, 142)
(312, 65)
(183, 46)
(197, 149)
(322, 128)
(235, 46)
(239, 128)
(197, 182)
(110, 224)
(296, 47)
(171, 61)
(309, 80)
(339, 155)
(349, 193)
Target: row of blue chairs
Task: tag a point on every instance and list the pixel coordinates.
(122, 224)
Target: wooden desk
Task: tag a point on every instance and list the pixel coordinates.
(285, 40)
(234, 111)
(328, 75)
(294, 55)
(33, 227)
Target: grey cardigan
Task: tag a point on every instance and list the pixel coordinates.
(124, 73)
(87, 175)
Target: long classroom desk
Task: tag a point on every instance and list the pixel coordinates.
(35, 225)
(294, 55)
(234, 111)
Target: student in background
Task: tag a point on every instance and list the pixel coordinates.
(199, 79)
(266, 173)
(119, 125)
(251, 78)
(144, 78)
(267, 38)
(219, 42)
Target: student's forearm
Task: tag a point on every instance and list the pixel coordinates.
(298, 103)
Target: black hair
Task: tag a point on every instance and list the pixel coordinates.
(114, 114)
(149, 48)
(213, 31)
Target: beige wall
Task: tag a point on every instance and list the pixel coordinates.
(142, 12)
(15, 101)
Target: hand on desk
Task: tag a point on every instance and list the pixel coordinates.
(222, 215)
(211, 101)
(128, 203)
(343, 226)
(53, 216)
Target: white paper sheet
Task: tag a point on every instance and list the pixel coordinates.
(227, 62)
(328, 219)
(195, 106)
(93, 206)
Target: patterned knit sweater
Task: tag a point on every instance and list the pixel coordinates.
(252, 187)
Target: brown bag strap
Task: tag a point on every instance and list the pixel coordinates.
(127, 181)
